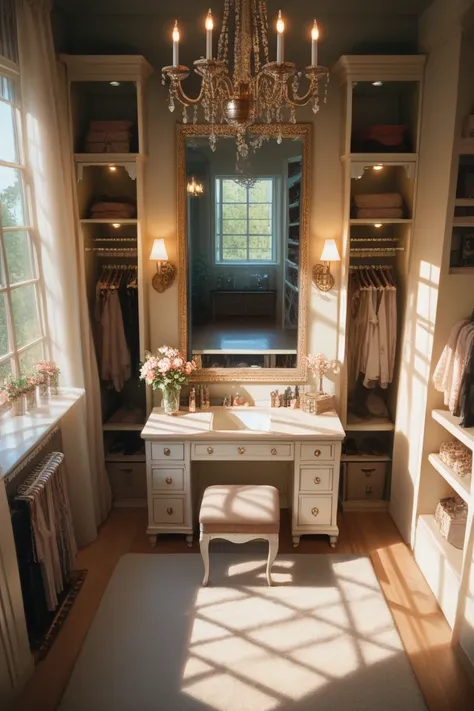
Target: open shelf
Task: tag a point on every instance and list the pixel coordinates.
(125, 419)
(380, 221)
(453, 556)
(110, 221)
(461, 270)
(382, 158)
(451, 424)
(375, 424)
(461, 486)
(107, 158)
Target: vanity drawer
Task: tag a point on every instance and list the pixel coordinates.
(242, 450)
(167, 451)
(314, 510)
(316, 478)
(365, 480)
(167, 479)
(168, 510)
(317, 451)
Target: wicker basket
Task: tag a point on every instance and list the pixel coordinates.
(451, 516)
(456, 456)
(316, 403)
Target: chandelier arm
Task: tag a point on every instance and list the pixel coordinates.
(299, 101)
(186, 100)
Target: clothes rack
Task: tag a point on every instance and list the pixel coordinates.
(374, 239)
(378, 249)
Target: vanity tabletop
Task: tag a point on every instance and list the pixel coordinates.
(238, 423)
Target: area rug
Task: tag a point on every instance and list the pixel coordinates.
(321, 639)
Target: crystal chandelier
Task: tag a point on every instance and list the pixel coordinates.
(193, 188)
(251, 89)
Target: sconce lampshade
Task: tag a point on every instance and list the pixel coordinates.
(158, 251)
(330, 253)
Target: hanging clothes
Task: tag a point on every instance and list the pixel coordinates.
(454, 372)
(115, 366)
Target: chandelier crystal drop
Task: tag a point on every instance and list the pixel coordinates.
(249, 88)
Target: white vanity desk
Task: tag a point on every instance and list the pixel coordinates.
(312, 442)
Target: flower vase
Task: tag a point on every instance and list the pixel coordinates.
(321, 390)
(31, 399)
(54, 384)
(170, 401)
(43, 388)
(19, 406)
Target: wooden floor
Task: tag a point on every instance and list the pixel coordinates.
(421, 624)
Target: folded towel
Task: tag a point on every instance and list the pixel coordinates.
(379, 200)
(381, 212)
(98, 136)
(108, 147)
(108, 126)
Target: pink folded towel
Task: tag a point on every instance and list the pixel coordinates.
(379, 200)
(109, 126)
(381, 212)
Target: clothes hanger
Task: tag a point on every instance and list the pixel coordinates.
(373, 273)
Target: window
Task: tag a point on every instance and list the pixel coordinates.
(22, 338)
(245, 223)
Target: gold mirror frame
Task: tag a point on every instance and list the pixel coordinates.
(296, 375)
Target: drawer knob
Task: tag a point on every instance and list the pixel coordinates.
(315, 511)
(317, 479)
(368, 472)
(167, 452)
(169, 480)
(241, 450)
(210, 450)
(169, 511)
(274, 450)
(317, 452)
(368, 490)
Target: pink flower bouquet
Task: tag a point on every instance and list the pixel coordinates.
(169, 371)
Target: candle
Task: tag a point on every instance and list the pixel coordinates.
(175, 44)
(314, 44)
(209, 26)
(280, 30)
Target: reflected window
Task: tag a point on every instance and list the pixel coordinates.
(245, 224)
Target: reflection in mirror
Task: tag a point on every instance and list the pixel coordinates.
(243, 246)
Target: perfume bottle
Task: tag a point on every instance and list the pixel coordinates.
(192, 400)
(205, 400)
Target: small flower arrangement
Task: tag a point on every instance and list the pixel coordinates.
(167, 368)
(47, 368)
(320, 365)
(14, 388)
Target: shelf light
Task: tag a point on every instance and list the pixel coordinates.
(114, 83)
(112, 168)
(377, 83)
(378, 225)
(116, 225)
(378, 167)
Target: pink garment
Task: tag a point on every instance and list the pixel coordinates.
(371, 353)
(115, 366)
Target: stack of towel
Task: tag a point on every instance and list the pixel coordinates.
(113, 208)
(381, 205)
(109, 137)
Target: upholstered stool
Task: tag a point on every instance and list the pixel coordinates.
(239, 514)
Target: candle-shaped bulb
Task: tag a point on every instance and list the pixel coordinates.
(175, 32)
(314, 44)
(280, 24)
(315, 31)
(209, 21)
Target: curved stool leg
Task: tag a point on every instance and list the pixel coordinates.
(272, 554)
(204, 546)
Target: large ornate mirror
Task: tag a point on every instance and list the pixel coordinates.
(243, 245)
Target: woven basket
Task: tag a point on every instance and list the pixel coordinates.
(451, 517)
(457, 457)
(316, 403)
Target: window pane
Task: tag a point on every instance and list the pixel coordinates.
(11, 198)
(25, 315)
(234, 227)
(7, 89)
(18, 252)
(234, 255)
(4, 349)
(232, 192)
(8, 149)
(261, 191)
(259, 227)
(31, 356)
(237, 211)
(5, 370)
(260, 211)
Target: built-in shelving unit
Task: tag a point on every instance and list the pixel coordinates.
(381, 96)
(108, 137)
(291, 269)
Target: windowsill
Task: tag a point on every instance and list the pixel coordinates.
(20, 435)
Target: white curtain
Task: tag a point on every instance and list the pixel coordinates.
(44, 96)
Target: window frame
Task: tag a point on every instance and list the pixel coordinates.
(218, 218)
(10, 71)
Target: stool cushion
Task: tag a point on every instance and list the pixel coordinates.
(240, 509)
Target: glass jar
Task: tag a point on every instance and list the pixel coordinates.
(54, 384)
(19, 406)
(171, 395)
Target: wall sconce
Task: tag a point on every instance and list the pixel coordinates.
(165, 271)
(194, 189)
(321, 272)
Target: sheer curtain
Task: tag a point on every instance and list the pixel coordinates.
(44, 98)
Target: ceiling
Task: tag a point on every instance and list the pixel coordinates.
(186, 7)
